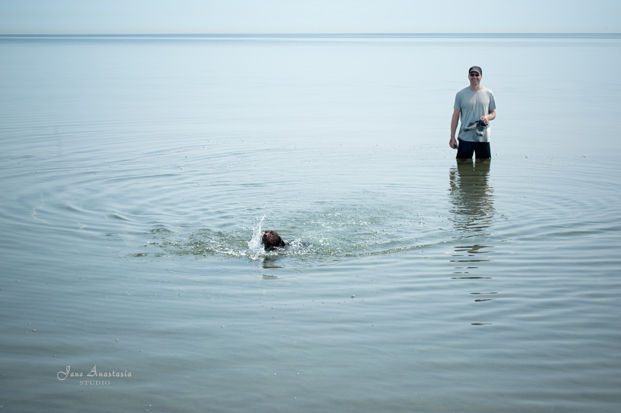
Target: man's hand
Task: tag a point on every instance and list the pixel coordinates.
(490, 116)
(453, 143)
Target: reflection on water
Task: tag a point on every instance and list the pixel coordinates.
(471, 198)
(270, 262)
(472, 210)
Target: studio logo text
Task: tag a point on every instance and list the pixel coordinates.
(92, 378)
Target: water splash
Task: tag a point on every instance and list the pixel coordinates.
(255, 242)
(333, 234)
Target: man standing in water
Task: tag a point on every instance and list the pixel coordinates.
(476, 106)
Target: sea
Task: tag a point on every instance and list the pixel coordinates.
(138, 172)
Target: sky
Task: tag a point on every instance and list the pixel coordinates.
(308, 16)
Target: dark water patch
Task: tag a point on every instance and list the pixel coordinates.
(474, 249)
(471, 278)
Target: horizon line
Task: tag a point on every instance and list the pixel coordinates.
(325, 34)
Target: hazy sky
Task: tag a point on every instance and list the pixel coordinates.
(308, 16)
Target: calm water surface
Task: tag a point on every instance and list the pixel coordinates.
(138, 172)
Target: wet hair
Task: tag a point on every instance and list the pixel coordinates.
(272, 240)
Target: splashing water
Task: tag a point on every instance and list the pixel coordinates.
(254, 244)
(330, 234)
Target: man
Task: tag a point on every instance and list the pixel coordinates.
(476, 106)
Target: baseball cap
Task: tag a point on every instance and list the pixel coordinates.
(476, 69)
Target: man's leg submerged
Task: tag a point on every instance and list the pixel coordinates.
(483, 152)
(464, 150)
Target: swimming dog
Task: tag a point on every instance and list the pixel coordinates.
(271, 240)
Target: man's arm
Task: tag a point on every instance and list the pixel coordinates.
(489, 116)
(454, 121)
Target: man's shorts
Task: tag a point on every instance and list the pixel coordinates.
(466, 149)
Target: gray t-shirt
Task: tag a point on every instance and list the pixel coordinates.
(472, 106)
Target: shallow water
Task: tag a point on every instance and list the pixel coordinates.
(138, 172)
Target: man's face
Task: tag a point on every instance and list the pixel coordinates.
(475, 78)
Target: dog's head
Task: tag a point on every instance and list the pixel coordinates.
(272, 240)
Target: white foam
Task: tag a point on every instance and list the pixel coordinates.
(254, 245)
